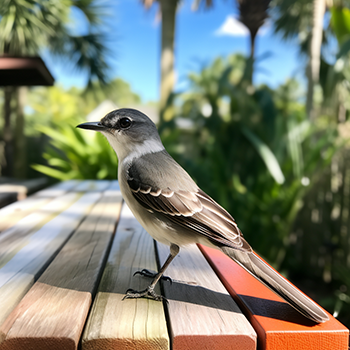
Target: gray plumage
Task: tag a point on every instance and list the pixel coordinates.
(175, 211)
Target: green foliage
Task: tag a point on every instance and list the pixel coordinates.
(250, 148)
(57, 105)
(27, 26)
(53, 106)
(74, 154)
(334, 76)
(118, 91)
(293, 19)
(266, 155)
(340, 22)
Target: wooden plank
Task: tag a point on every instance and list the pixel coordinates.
(22, 188)
(18, 210)
(53, 313)
(13, 239)
(93, 186)
(58, 189)
(278, 325)
(46, 212)
(202, 315)
(26, 256)
(129, 324)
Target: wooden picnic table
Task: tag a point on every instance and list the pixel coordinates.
(68, 254)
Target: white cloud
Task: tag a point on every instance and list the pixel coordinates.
(233, 27)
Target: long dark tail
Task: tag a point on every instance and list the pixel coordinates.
(270, 278)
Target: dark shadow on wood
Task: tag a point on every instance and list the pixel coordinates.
(198, 295)
(271, 309)
(195, 294)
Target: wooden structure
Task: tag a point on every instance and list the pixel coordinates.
(24, 71)
(12, 190)
(68, 254)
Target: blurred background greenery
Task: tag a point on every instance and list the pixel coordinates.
(275, 158)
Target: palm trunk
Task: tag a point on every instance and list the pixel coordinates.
(252, 45)
(7, 161)
(252, 53)
(20, 151)
(167, 77)
(313, 69)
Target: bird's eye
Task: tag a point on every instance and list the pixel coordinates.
(124, 123)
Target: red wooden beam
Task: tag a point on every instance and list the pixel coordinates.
(277, 324)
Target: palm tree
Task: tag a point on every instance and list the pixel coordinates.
(313, 69)
(167, 56)
(27, 27)
(303, 18)
(252, 13)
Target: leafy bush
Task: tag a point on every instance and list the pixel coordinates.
(252, 149)
(76, 154)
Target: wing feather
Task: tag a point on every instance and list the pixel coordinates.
(196, 212)
(182, 203)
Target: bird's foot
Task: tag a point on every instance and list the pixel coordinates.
(149, 274)
(148, 293)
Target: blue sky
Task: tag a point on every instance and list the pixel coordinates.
(200, 37)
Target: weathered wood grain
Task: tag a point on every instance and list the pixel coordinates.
(129, 324)
(58, 189)
(18, 210)
(202, 315)
(53, 313)
(13, 239)
(278, 325)
(92, 186)
(25, 257)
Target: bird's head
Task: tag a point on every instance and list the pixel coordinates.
(129, 132)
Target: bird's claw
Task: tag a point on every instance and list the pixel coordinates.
(149, 274)
(145, 273)
(148, 293)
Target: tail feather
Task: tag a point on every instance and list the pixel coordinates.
(273, 280)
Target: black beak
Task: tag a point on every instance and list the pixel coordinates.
(97, 126)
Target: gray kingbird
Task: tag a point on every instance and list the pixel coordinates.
(175, 211)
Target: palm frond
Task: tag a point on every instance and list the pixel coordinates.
(292, 18)
(253, 13)
(266, 155)
(25, 25)
(90, 53)
(93, 11)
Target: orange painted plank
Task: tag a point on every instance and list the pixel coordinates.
(277, 324)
